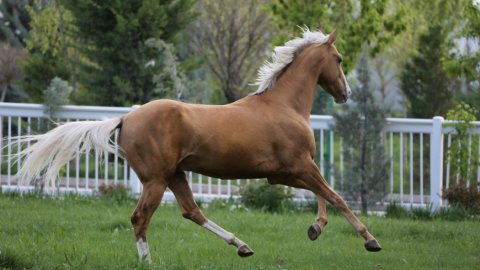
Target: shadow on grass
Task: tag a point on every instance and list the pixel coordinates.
(10, 260)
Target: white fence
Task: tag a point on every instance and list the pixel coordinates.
(410, 144)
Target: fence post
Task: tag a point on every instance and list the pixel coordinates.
(436, 163)
(135, 185)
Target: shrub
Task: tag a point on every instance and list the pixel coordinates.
(464, 162)
(396, 211)
(119, 192)
(56, 95)
(462, 196)
(264, 196)
(226, 204)
(311, 206)
(453, 213)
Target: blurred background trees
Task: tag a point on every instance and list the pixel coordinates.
(424, 55)
(367, 164)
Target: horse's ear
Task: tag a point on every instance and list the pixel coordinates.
(332, 37)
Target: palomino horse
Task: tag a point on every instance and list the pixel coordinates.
(264, 135)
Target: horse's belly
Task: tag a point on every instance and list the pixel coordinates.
(229, 167)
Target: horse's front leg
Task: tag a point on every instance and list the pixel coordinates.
(321, 221)
(315, 182)
(179, 186)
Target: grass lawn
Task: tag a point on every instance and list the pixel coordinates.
(94, 233)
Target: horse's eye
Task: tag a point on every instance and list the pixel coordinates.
(340, 60)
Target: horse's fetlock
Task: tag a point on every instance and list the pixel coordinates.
(362, 230)
(322, 220)
(231, 240)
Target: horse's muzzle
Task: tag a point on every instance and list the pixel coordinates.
(342, 99)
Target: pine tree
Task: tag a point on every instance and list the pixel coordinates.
(360, 127)
(14, 22)
(113, 35)
(424, 82)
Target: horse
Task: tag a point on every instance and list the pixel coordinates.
(263, 135)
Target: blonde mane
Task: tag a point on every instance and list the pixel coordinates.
(284, 55)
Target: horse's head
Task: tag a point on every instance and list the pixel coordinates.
(332, 78)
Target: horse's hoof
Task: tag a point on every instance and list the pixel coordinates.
(244, 251)
(314, 231)
(373, 246)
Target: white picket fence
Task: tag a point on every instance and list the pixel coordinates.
(410, 143)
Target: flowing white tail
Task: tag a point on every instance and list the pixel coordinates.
(58, 146)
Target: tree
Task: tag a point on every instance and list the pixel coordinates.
(112, 37)
(456, 22)
(56, 95)
(14, 22)
(360, 127)
(234, 35)
(9, 67)
(463, 160)
(424, 81)
(465, 63)
(368, 21)
(49, 46)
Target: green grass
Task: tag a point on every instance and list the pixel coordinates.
(95, 233)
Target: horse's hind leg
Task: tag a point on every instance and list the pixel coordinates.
(147, 204)
(179, 186)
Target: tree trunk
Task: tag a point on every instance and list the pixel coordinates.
(3, 89)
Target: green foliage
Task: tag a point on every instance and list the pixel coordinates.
(394, 210)
(264, 196)
(452, 213)
(14, 21)
(460, 154)
(460, 195)
(360, 126)
(357, 22)
(227, 204)
(113, 36)
(169, 82)
(49, 48)
(424, 82)
(49, 23)
(119, 193)
(56, 95)
(466, 63)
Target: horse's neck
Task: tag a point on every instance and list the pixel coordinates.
(296, 87)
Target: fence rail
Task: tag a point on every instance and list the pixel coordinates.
(418, 167)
